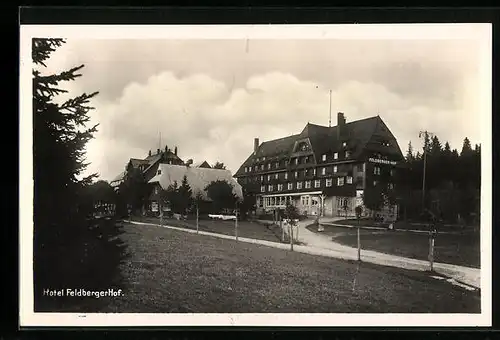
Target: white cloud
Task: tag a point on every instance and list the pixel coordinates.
(208, 121)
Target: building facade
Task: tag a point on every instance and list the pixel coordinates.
(323, 170)
(198, 178)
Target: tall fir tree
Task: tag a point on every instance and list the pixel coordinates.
(409, 153)
(186, 195)
(65, 244)
(466, 147)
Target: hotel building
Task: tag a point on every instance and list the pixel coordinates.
(322, 166)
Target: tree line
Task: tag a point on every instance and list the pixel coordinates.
(452, 183)
(452, 179)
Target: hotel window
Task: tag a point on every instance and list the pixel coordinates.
(262, 178)
(157, 190)
(375, 183)
(249, 169)
(276, 176)
(347, 154)
(344, 144)
(391, 186)
(290, 186)
(280, 187)
(159, 172)
(349, 179)
(269, 188)
(340, 181)
(314, 172)
(258, 159)
(268, 166)
(263, 158)
(268, 177)
(246, 169)
(286, 162)
(308, 184)
(376, 170)
(296, 174)
(329, 182)
(286, 175)
(277, 165)
(323, 171)
(262, 167)
(392, 172)
(335, 169)
(335, 155)
(323, 157)
(317, 183)
(299, 185)
(296, 160)
(262, 188)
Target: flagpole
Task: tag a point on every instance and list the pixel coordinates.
(330, 121)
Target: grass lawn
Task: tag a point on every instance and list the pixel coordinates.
(245, 228)
(457, 248)
(176, 272)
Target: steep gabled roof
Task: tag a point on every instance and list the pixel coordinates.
(136, 162)
(323, 139)
(276, 146)
(198, 178)
(203, 164)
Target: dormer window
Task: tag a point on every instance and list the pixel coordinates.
(323, 157)
(335, 155)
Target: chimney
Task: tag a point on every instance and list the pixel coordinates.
(340, 124)
(157, 151)
(149, 153)
(175, 151)
(255, 145)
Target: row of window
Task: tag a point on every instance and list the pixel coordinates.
(307, 184)
(296, 161)
(312, 171)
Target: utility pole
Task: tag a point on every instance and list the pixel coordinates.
(424, 134)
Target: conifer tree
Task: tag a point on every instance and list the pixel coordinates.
(65, 245)
(409, 153)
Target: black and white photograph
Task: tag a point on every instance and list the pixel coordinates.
(255, 175)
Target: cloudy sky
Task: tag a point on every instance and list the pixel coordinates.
(212, 97)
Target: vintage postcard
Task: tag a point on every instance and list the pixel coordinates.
(258, 175)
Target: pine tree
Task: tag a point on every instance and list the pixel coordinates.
(466, 147)
(185, 195)
(65, 245)
(409, 153)
(435, 147)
